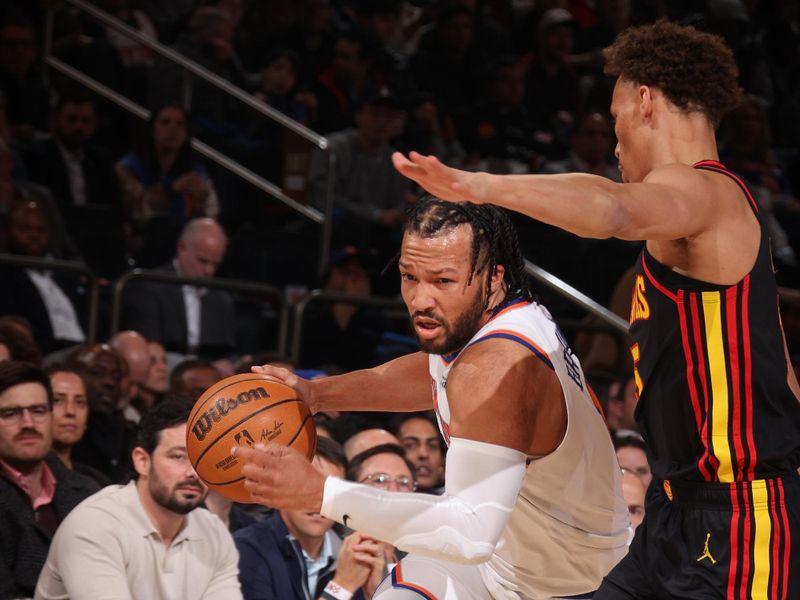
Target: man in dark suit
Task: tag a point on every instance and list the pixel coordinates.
(187, 319)
(36, 490)
(82, 180)
(53, 302)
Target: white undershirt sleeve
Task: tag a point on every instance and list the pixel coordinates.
(482, 482)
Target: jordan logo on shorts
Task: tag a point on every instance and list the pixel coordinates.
(706, 552)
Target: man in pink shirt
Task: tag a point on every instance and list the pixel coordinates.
(36, 490)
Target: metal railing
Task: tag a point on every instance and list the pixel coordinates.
(221, 83)
(577, 297)
(611, 323)
(51, 264)
(269, 292)
(330, 297)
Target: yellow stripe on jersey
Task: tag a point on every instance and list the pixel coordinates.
(720, 400)
(759, 589)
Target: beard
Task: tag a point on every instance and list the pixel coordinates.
(172, 499)
(457, 334)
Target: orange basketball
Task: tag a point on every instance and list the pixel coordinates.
(244, 410)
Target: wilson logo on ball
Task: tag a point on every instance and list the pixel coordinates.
(222, 407)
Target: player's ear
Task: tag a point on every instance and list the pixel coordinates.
(497, 277)
(645, 102)
(141, 460)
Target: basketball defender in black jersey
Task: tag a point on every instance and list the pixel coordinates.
(718, 400)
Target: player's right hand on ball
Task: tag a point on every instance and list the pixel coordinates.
(301, 386)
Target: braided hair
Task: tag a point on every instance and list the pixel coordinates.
(494, 239)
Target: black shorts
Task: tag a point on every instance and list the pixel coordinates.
(698, 541)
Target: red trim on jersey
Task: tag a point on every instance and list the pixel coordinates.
(596, 402)
(653, 280)
(701, 370)
(735, 517)
(787, 551)
(687, 353)
(719, 168)
(736, 397)
(748, 376)
(774, 572)
(447, 362)
(748, 517)
(398, 581)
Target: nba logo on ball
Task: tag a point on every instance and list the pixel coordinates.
(244, 410)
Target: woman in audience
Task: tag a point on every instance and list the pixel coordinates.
(163, 184)
(70, 417)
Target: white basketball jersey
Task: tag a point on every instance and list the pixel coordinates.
(569, 525)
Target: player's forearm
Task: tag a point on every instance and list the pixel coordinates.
(463, 525)
(583, 204)
(400, 385)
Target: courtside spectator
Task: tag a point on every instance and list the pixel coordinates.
(36, 490)
(365, 439)
(622, 401)
(147, 539)
(190, 378)
(106, 442)
(295, 555)
(633, 490)
(132, 347)
(424, 447)
(632, 456)
(70, 416)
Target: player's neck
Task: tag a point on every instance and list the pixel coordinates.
(687, 139)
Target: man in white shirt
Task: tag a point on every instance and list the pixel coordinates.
(53, 302)
(146, 539)
(187, 319)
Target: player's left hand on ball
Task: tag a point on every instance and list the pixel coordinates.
(280, 477)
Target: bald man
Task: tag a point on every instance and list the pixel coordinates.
(133, 348)
(187, 319)
(366, 439)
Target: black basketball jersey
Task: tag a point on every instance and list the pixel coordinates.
(710, 369)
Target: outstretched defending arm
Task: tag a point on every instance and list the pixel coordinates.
(673, 202)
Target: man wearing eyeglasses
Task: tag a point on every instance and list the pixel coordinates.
(295, 555)
(384, 467)
(36, 490)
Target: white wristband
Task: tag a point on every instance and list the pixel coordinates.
(334, 590)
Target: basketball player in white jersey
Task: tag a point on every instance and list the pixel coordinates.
(533, 507)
